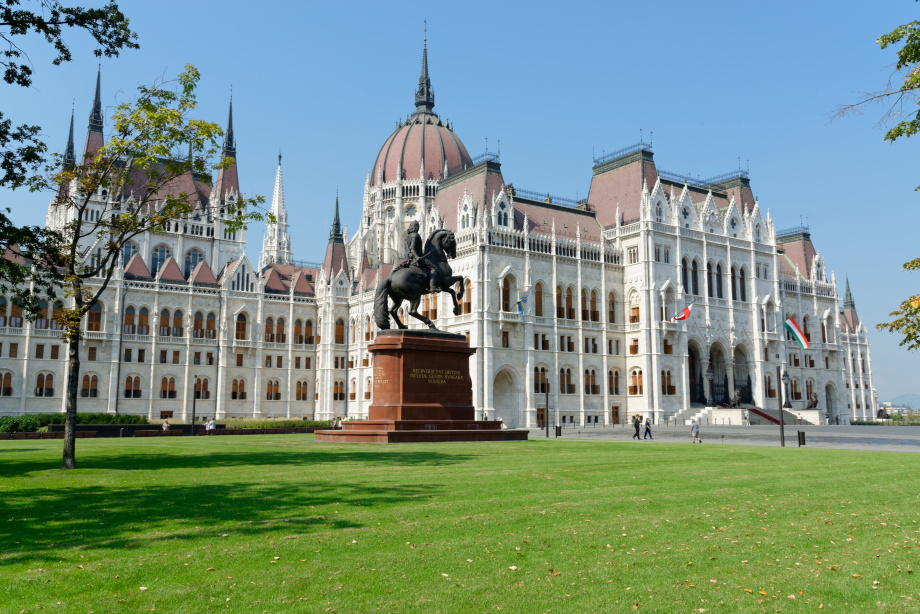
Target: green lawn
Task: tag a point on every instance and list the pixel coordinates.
(286, 524)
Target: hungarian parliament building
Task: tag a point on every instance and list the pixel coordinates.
(569, 304)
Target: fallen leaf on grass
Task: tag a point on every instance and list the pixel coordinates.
(513, 568)
(143, 588)
(856, 575)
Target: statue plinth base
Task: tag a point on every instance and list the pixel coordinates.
(422, 392)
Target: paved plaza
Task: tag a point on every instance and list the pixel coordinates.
(877, 438)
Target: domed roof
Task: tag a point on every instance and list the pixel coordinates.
(421, 137)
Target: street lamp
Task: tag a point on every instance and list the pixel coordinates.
(787, 404)
(710, 376)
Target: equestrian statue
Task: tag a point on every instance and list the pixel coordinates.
(424, 271)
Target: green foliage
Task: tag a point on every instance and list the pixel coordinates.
(907, 316)
(524, 527)
(88, 418)
(19, 424)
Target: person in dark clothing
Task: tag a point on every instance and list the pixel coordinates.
(637, 423)
(648, 429)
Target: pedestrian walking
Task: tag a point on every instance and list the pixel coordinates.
(695, 431)
(637, 423)
(648, 429)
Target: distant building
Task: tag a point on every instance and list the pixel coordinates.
(576, 296)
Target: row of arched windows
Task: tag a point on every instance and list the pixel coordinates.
(45, 319)
(689, 277)
(566, 386)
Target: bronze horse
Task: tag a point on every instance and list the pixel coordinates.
(411, 283)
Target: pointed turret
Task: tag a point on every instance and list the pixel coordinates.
(424, 95)
(228, 180)
(276, 246)
(94, 136)
(336, 257)
(70, 158)
(849, 309)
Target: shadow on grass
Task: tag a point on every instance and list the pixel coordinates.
(149, 458)
(39, 523)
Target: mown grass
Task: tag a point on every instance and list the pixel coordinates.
(287, 524)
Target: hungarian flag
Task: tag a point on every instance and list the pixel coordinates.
(796, 332)
(684, 314)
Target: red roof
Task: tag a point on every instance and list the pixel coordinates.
(480, 184)
(202, 274)
(227, 180)
(170, 271)
(799, 252)
(136, 268)
(423, 134)
(336, 259)
(568, 220)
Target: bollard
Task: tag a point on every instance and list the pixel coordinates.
(558, 430)
(801, 438)
(121, 432)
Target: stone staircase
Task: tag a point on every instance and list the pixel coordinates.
(771, 416)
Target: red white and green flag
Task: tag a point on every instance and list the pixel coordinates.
(796, 332)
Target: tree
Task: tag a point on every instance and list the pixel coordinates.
(139, 172)
(902, 119)
(22, 152)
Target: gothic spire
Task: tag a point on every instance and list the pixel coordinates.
(276, 245)
(229, 148)
(848, 302)
(70, 158)
(94, 136)
(95, 116)
(424, 95)
(336, 233)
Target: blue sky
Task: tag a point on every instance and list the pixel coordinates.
(554, 82)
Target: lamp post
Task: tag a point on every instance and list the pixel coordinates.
(195, 393)
(710, 376)
(546, 410)
(786, 404)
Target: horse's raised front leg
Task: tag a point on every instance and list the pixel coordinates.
(413, 311)
(455, 295)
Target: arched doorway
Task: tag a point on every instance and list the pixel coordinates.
(720, 377)
(742, 376)
(506, 398)
(694, 378)
(830, 403)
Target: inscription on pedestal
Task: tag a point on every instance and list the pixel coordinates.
(380, 376)
(435, 376)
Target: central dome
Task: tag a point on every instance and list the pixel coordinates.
(422, 137)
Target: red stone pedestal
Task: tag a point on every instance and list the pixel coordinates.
(422, 392)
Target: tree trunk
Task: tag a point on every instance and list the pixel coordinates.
(70, 422)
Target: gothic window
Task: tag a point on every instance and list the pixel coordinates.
(168, 388)
(90, 387)
(269, 330)
(742, 290)
(127, 250)
(143, 326)
(368, 331)
(300, 391)
(757, 233)
(42, 321)
(565, 382)
(468, 297)
(539, 380)
(506, 294)
(683, 276)
(308, 332)
(7, 384)
(594, 314)
(241, 327)
(734, 285)
(719, 281)
(709, 279)
(128, 322)
(611, 308)
(132, 387)
(636, 387)
(44, 385)
(160, 254)
(201, 388)
(569, 310)
(339, 331)
(613, 382)
(279, 331)
(694, 277)
(538, 300)
(94, 318)
(198, 325)
(177, 330)
(272, 391)
(192, 259)
(584, 304)
(659, 215)
(591, 386)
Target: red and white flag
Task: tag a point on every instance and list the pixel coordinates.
(684, 314)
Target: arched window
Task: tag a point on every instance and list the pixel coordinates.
(241, 333)
(368, 331)
(338, 391)
(7, 388)
(823, 332)
(659, 215)
(210, 331)
(805, 329)
(94, 318)
(368, 386)
(613, 382)
(201, 388)
(809, 388)
(538, 300)
(143, 324)
(132, 387)
(354, 330)
(168, 388)
(269, 329)
(468, 297)
(128, 322)
(239, 389)
(565, 381)
(301, 391)
(308, 332)
(198, 325)
(506, 294)
(591, 386)
(44, 385)
(683, 276)
(2, 311)
(709, 287)
(595, 317)
(734, 285)
(796, 390)
(159, 256)
(612, 308)
(539, 379)
(177, 330)
(694, 277)
(42, 321)
(719, 281)
(560, 306)
(742, 286)
(666, 387)
(192, 258)
(757, 233)
(584, 305)
(636, 387)
(339, 331)
(164, 323)
(279, 331)
(569, 309)
(354, 390)
(15, 314)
